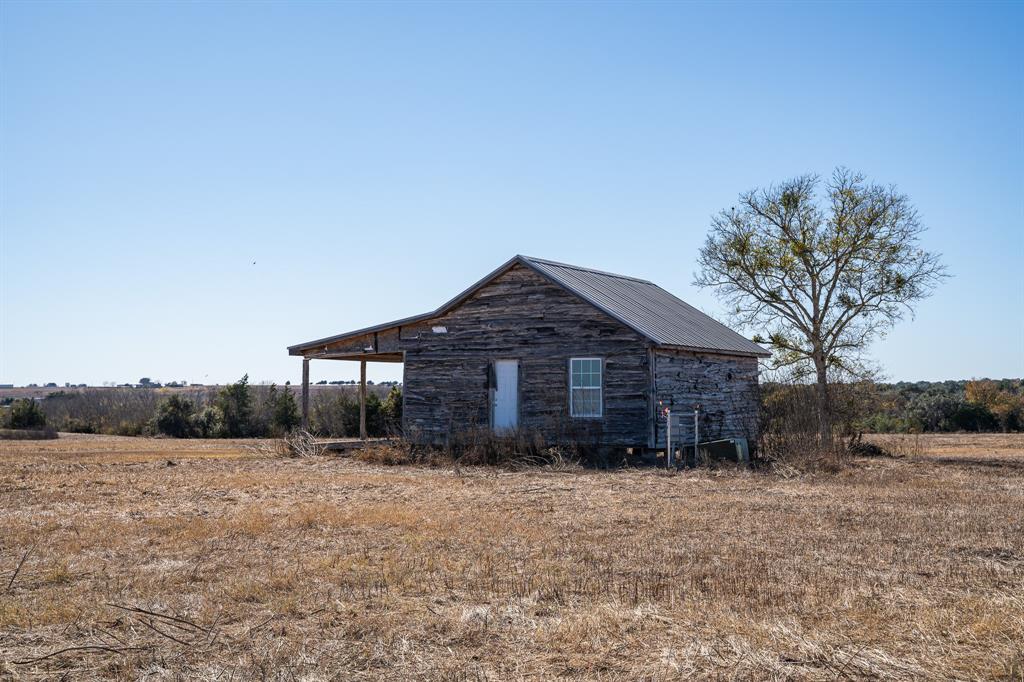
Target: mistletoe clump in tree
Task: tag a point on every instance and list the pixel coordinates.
(819, 276)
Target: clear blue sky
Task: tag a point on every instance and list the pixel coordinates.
(186, 189)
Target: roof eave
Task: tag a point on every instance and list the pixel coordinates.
(309, 345)
(717, 351)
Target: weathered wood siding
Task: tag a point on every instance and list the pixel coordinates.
(521, 315)
(725, 386)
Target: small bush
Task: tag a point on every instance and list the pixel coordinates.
(391, 409)
(127, 427)
(175, 417)
(284, 412)
(338, 415)
(76, 425)
(26, 414)
(235, 404)
(209, 423)
(789, 440)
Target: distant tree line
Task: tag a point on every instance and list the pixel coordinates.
(241, 410)
(942, 406)
(352, 382)
(238, 410)
(904, 407)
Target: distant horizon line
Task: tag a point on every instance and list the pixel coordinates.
(339, 382)
(178, 384)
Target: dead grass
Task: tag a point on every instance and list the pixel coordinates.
(28, 434)
(235, 564)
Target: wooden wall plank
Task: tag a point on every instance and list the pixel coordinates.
(725, 386)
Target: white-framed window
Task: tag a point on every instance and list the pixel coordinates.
(585, 387)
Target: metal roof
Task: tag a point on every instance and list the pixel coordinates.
(641, 305)
(648, 309)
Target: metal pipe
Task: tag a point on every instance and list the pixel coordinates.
(668, 437)
(696, 434)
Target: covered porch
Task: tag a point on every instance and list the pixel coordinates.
(362, 358)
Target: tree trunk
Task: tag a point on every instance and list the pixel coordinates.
(824, 401)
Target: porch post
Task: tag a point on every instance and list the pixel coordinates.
(305, 393)
(362, 399)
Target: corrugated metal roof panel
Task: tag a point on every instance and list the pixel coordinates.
(647, 308)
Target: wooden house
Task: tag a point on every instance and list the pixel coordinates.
(560, 350)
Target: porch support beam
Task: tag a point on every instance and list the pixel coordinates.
(362, 399)
(305, 394)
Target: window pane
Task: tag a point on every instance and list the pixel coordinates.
(586, 402)
(579, 402)
(585, 385)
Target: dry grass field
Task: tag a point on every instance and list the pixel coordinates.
(158, 559)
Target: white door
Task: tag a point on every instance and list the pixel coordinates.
(506, 394)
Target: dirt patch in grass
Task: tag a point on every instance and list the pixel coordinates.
(115, 563)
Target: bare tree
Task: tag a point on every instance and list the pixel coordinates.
(819, 277)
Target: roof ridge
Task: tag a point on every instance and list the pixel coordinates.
(646, 310)
(570, 266)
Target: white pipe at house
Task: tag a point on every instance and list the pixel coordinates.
(668, 437)
(696, 434)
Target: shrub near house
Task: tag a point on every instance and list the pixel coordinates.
(236, 413)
